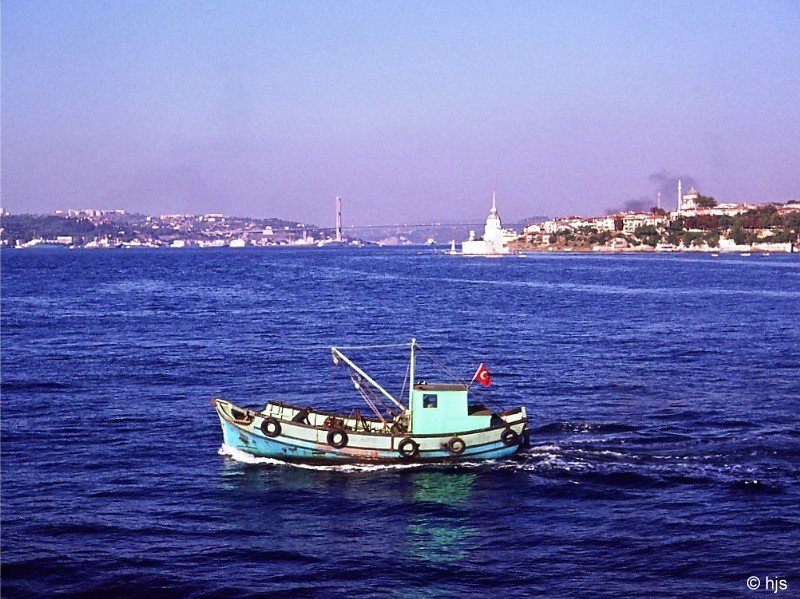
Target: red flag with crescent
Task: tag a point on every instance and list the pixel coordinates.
(482, 375)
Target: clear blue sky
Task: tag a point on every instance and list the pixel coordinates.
(411, 111)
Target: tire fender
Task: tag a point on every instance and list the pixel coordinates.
(270, 427)
(408, 448)
(337, 438)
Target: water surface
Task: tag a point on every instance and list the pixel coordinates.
(663, 393)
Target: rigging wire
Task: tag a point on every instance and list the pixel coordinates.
(447, 371)
(368, 401)
(385, 346)
(363, 387)
(405, 380)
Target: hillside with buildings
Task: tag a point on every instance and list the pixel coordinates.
(117, 228)
(699, 223)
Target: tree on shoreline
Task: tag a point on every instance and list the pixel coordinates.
(705, 201)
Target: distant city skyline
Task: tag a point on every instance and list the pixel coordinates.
(411, 112)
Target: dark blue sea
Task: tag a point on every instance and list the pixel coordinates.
(663, 391)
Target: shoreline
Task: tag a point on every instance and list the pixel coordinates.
(517, 252)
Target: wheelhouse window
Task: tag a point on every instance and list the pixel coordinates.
(429, 400)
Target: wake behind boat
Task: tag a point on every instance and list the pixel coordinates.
(436, 425)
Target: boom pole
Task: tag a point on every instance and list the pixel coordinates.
(337, 355)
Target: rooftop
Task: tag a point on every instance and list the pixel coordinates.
(440, 387)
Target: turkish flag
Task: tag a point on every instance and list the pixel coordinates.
(482, 375)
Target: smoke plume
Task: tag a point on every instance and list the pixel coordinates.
(642, 204)
(663, 182)
(666, 183)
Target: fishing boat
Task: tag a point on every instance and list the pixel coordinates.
(437, 424)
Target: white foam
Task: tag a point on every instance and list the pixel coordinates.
(608, 452)
(534, 448)
(246, 458)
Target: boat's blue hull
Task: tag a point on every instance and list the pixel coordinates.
(306, 452)
(480, 445)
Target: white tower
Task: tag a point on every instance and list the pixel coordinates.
(493, 232)
(680, 194)
(494, 226)
(338, 218)
(495, 239)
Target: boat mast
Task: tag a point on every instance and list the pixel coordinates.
(411, 368)
(337, 355)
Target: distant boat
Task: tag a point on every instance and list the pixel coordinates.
(32, 243)
(714, 255)
(41, 244)
(437, 425)
(331, 243)
(745, 254)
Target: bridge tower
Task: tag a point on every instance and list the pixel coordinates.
(338, 218)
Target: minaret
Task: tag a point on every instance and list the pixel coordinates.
(658, 203)
(680, 195)
(494, 202)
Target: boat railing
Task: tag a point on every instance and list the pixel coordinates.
(325, 420)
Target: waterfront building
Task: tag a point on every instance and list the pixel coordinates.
(574, 223)
(533, 229)
(687, 206)
(689, 200)
(633, 220)
(495, 239)
(550, 226)
(691, 209)
(603, 223)
(788, 208)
